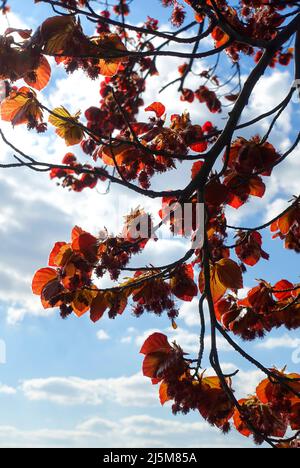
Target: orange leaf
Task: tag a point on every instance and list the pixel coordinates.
(183, 285)
(42, 75)
(286, 221)
(108, 68)
(257, 187)
(268, 392)
(239, 423)
(41, 278)
(50, 296)
(163, 393)
(110, 45)
(220, 37)
(217, 288)
(56, 32)
(20, 107)
(60, 254)
(82, 301)
(85, 243)
(225, 274)
(76, 231)
(215, 406)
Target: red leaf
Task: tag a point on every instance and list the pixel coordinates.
(199, 147)
(158, 108)
(197, 166)
(183, 285)
(157, 342)
(151, 364)
(283, 286)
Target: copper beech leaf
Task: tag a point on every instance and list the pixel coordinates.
(156, 342)
(224, 274)
(229, 273)
(41, 278)
(21, 107)
(98, 307)
(283, 290)
(163, 393)
(82, 301)
(182, 283)
(156, 107)
(152, 363)
(111, 50)
(67, 125)
(41, 74)
(56, 33)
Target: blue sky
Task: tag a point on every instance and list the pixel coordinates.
(74, 383)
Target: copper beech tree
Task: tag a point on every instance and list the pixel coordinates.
(227, 169)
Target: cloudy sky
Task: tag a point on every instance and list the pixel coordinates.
(73, 383)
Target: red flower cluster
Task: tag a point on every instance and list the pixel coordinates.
(156, 145)
(257, 20)
(249, 248)
(166, 364)
(122, 8)
(68, 283)
(203, 94)
(273, 409)
(103, 120)
(71, 178)
(247, 162)
(264, 308)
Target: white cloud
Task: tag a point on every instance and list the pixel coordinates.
(284, 341)
(138, 431)
(247, 381)
(126, 339)
(135, 391)
(102, 335)
(189, 313)
(271, 90)
(7, 390)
